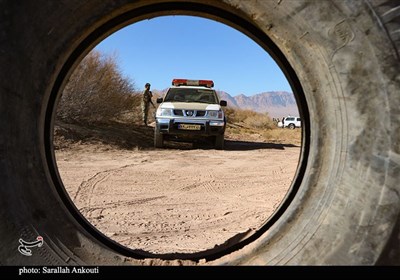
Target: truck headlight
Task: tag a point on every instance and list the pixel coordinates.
(216, 114)
(164, 112)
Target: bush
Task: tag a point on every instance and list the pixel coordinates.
(249, 118)
(97, 92)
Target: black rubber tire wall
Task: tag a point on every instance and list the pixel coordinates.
(346, 55)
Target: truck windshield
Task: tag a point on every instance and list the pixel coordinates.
(191, 95)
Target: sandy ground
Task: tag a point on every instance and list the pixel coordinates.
(179, 199)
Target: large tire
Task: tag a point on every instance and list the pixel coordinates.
(345, 204)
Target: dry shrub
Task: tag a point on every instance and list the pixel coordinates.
(283, 135)
(253, 126)
(249, 118)
(97, 92)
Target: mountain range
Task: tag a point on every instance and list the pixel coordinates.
(277, 104)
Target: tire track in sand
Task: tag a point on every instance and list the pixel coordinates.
(85, 190)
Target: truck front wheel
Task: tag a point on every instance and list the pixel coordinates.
(219, 142)
(158, 139)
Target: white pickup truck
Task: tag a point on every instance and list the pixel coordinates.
(290, 122)
(190, 110)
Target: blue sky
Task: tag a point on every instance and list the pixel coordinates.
(160, 49)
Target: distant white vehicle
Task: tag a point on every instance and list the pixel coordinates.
(290, 122)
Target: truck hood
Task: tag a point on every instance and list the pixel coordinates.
(190, 106)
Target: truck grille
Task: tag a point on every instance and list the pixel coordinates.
(190, 113)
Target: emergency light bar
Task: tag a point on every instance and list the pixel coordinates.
(186, 82)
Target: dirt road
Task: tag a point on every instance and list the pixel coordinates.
(177, 199)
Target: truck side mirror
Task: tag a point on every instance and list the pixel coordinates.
(223, 103)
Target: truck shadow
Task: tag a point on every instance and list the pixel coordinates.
(233, 145)
(230, 145)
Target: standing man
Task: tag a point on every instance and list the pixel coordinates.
(146, 99)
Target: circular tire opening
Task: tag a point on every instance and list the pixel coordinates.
(131, 197)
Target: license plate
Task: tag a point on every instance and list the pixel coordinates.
(189, 126)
